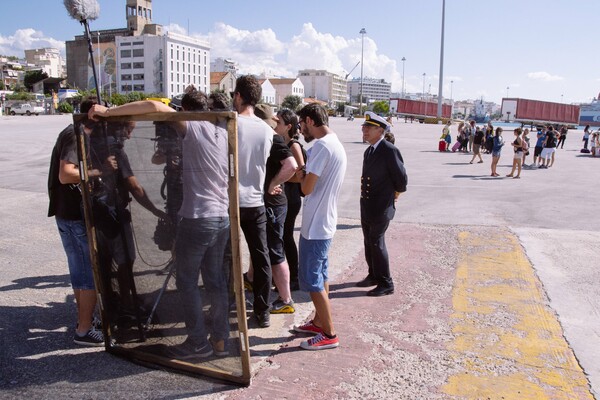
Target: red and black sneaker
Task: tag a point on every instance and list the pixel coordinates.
(309, 327)
(320, 342)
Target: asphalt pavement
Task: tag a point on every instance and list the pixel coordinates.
(497, 294)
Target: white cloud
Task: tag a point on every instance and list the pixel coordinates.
(25, 39)
(544, 76)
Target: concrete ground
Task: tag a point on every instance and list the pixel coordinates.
(497, 295)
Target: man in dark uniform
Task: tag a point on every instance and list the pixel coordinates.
(383, 179)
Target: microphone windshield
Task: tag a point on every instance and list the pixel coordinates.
(82, 10)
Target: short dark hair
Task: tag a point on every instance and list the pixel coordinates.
(316, 112)
(194, 100)
(218, 101)
(289, 117)
(249, 89)
(87, 103)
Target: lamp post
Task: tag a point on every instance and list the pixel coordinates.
(507, 91)
(362, 32)
(423, 93)
(561, 98)
(403, 60)
(451, 99)
(441, 82)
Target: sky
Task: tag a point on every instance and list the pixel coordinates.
(536, 49)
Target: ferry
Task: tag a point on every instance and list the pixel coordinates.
(590, 113)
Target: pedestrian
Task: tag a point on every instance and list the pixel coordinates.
(525, 139)
(586, 136)
(65, 206)
(383, 179)
(518, 156)
(539, 146)
(281, 166)
(321, 182)
(255, 139)
(471, 135)
(549, 148)
(497, 150)
(287, 127)
(563, 136)
(477, 142)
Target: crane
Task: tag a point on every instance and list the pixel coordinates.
(346, 77)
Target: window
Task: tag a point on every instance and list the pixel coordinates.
(138, 43)
(125, 65)
(126, 44)
(126, 77)
(138, 52)
(138, 65)
(125, 53)
(138, 77)
(125, 88)
(138, 88)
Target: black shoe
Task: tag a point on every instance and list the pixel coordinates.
(263, 319)
(381, 291)
(368, 281)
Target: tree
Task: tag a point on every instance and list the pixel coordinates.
(292, 102)
(32, 77)
(381, 107)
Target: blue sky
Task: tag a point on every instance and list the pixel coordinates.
(544, 50)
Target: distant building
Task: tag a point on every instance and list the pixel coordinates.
(372, 90)
(224, 81)
(324, 85)
(164, 64)
(268, 91)
(48, 59)
(287, 87)
(224, 65)
(140, 57)
(11, 73)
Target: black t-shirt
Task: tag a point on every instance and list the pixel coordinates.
(65, 200)
(279, 152)
(292, 189)
(478, 137)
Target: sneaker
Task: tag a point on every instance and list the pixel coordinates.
(219, 348)
(247, 283)
(281, 307)
(320, 342)
(309, 327)
(263, 319)
(188, 350)
(93, 337)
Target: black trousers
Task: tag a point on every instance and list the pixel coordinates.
(561, 141)
(289, 243)
(376, 253)
(253, 221)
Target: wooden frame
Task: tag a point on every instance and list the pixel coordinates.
(241, 377)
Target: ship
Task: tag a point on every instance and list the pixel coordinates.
(479, 114)
(590, 113)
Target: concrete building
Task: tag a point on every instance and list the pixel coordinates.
(268, 91)
(48, 59)
(287, 87)
(373, 90)
(224, 65)
(11, 73)
(140, 57)
(324, 85)
(224, 81)
(164, 64)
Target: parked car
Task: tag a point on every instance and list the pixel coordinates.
(26, 109)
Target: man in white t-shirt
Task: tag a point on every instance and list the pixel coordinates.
(320, 182)
(255, 139)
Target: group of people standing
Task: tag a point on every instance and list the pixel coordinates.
(472, 138)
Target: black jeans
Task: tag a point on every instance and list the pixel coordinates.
(561, 141)
(253, 222)
(289, 244)
(376, 252)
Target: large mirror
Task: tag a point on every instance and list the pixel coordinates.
(186, 312)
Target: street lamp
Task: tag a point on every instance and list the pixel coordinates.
(423, 93)
(441, 82)
(561, 98)
(403, 60)
(507, 91)
(362, 32)
(451, 100)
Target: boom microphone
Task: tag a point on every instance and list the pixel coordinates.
(82, 10)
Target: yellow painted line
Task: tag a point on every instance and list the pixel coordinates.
(507, 340)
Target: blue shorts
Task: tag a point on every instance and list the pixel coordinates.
(74, 239)
(313, 264)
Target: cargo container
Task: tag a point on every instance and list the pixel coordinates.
(535, 112)
(418, 109)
